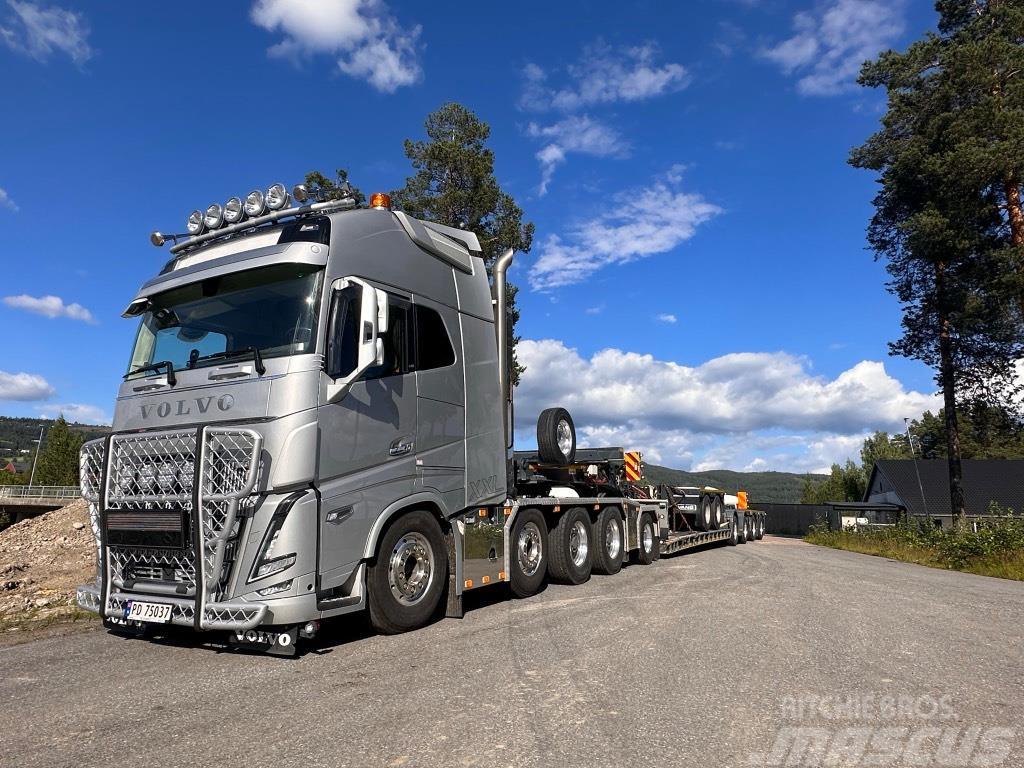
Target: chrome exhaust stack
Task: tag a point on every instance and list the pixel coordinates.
(501, 331)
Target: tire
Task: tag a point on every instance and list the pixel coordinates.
(743, 530)
(735, 538)
(570, 549)
(760, 527)
(553, 424)
(609, 541)
(702, 520)
(408, 577)
(529, 553)
(717, 513)
(650, 544)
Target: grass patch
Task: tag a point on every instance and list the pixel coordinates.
(995, 549)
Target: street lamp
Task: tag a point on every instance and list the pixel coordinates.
(39, 446)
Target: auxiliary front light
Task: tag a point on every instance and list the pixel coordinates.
(147, 477)
(195, 222)
(275, 589)
(166, 476)
(214, 216)
(277, 197)
(124, 477)
(300, 192)
(233, 212)
(254, 204)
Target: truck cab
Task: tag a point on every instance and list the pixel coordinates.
(299, 379)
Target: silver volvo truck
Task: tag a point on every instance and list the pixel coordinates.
(316, 420)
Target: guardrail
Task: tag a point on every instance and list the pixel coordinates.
(40, 492)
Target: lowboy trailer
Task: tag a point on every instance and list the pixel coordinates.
(316, 420)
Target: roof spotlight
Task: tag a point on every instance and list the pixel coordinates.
(254, 203)
(195, 223)
(157, 239)
(277, 197)
(214, 216)
(300, 192)
(233, 212)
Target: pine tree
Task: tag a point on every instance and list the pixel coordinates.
(948, 218)
(331, 189)
(454, 184)
(58, 462)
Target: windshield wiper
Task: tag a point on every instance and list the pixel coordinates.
(155, 367)
(194, 358)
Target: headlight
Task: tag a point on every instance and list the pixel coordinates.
(214, 217)
(195, 222)
(277, 197)
(166, 476)
(233, 211)
(124, 477)
(184, 472)
(254, 203)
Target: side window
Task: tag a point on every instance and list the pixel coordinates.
(433, 346)
(397, 341)
(343, 349)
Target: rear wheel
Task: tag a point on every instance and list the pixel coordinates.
(717, 513)
(704, 514)
(529, 553)
(743, 530)
(609, 541)
(649, 543)
(407, 579)
(734, 539)
(760, 527)
(569, 547)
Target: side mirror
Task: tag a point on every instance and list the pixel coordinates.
(358, 317)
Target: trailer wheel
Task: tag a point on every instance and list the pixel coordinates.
(650, 544)
(760, 527)
(408, 576)
(717, 513)
(743, 530)
(569, 547)
(702, 520)
(734, 539)
(609, 541)
(556, 436)
(529, 553)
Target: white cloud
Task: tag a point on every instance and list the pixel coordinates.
(368, 41)
(668, 317)
(84, 414)
(731, 409)
(828, 47)
(24, 386)
(605, 75)
(40, 32)
(6, 201)
(578, 134)
(49, 306)
(642, 222)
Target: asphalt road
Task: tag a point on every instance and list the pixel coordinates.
(712, 658)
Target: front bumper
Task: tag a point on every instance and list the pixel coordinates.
(231, 615)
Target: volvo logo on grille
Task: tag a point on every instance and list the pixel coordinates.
(184, 407)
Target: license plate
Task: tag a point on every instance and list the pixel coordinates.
(159, 613)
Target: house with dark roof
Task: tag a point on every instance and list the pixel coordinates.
(921, 488)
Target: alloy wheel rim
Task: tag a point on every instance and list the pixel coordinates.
(613, 539)
(578, 544)
(564, 437)
(411, 568)
(529, 549)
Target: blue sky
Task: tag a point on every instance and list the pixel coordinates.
(698, 288)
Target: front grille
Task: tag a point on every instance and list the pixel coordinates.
(152, 521)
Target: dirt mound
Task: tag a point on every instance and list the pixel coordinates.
(42, 561)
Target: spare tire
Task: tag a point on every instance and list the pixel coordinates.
(556, 436)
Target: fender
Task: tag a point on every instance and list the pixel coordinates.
(396, 508)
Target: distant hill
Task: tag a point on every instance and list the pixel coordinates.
(18, 433)
(768, 487)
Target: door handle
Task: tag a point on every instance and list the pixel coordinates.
(402, 446)
(234, 373)
(159, 383)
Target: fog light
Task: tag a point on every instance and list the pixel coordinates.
(275, 589)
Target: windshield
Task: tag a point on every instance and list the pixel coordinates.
(271, 309)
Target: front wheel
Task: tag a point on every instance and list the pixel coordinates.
(529, 553)
(407, 579)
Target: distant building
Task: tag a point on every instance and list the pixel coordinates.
(894, 483)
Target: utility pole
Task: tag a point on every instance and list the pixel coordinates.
(917, 471)
(39, 447)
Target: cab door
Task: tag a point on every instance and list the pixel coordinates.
(368, 435)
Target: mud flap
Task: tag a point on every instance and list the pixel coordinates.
(271, 642)
(453, 603)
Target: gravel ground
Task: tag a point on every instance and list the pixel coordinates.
(712, 658)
